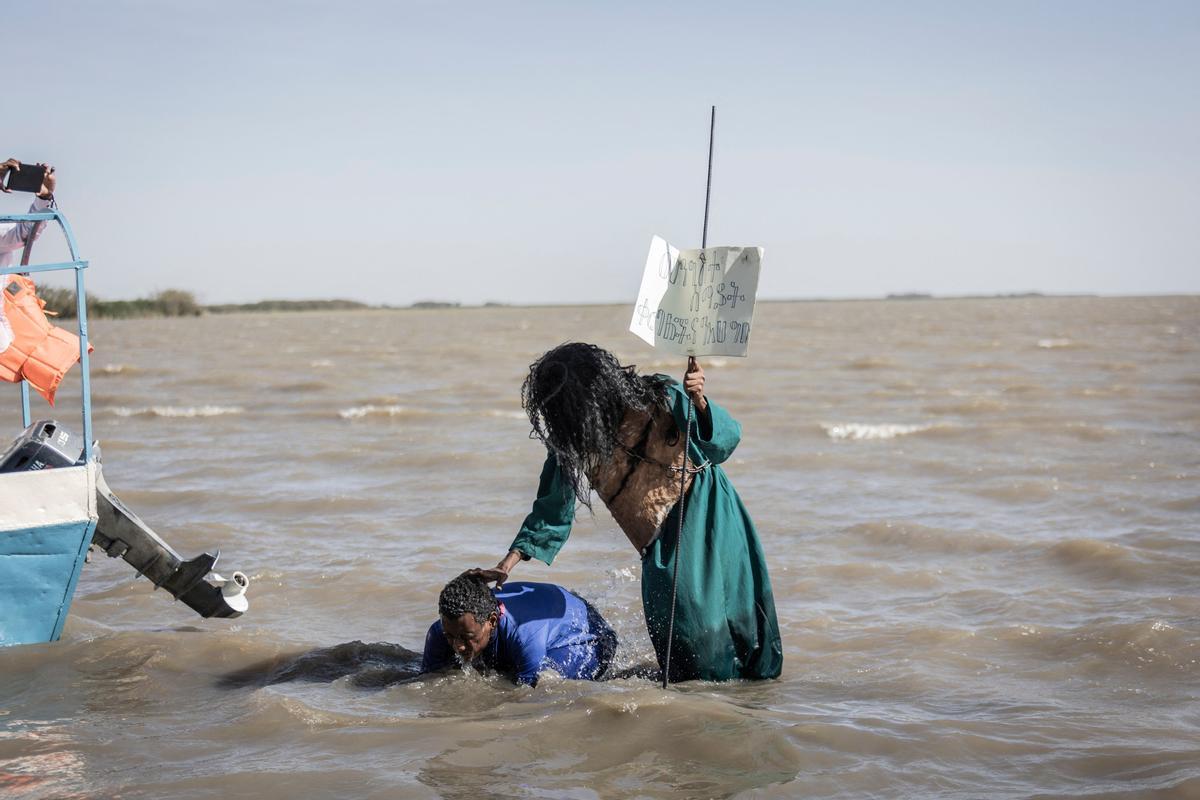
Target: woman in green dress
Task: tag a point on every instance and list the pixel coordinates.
(610, 430)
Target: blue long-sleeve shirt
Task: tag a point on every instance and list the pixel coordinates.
(541, 625)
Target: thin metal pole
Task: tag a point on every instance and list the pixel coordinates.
(34, 230)
(85, 388)
(712, 128)
(687, 437)
(81, 317)
(681, 505)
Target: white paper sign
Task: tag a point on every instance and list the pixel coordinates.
(655, 279)
(697, 302)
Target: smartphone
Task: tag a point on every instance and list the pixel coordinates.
(28, 179)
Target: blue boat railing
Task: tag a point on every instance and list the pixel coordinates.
(79, 265)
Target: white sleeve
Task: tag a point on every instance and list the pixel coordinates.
(6, 334)
(14, 234)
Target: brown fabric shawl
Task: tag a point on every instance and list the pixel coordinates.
(640, 484)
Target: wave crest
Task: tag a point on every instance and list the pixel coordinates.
(859, 431)
(177, 411)
(1152, 645)
(116, 369)
(372, 410)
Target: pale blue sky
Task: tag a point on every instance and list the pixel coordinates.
(527, 152)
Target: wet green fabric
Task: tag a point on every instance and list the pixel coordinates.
(725, 624)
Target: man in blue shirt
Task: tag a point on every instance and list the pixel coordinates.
(519, 629)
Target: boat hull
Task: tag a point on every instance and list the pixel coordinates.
(47, 519)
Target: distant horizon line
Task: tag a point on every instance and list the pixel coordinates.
(894, 296)
(177, 302)
(862, 298)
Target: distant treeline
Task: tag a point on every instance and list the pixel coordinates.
(174, 303)
(289, 305)
(167, 303)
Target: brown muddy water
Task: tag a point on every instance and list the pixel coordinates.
(982, 519)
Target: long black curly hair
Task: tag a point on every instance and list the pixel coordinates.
(576, 396)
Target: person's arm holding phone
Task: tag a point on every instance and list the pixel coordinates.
(14, 234)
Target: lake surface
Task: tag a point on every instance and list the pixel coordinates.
(981, 517)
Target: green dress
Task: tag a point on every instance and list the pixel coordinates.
(725, 625)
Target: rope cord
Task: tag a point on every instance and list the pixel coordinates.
(689, 469)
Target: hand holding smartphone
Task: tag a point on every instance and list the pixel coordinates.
(20, 177)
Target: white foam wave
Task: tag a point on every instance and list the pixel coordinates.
(1050, 344)
(321, 363)
(857, 431)
(507, 414)
(115, 369)
(177, 411)
(623, 575)
(358, 412)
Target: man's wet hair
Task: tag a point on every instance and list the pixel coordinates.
(467, 593)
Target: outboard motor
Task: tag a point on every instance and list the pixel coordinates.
(119, 532)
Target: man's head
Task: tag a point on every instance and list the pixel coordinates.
(469, 613)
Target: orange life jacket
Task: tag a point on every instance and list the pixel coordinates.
(40, 353)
